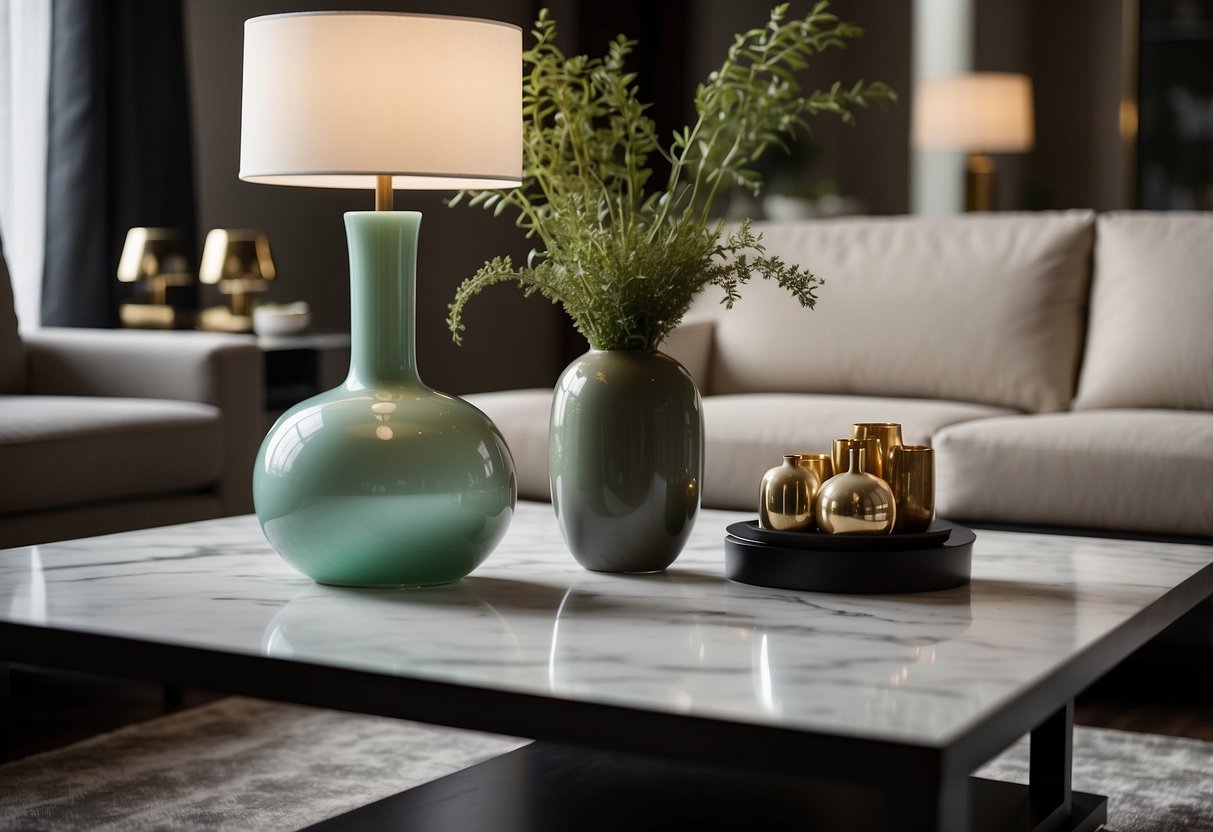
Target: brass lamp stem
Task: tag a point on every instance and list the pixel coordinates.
(979, 182)
(383, 193)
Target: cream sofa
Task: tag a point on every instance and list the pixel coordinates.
(103, 431)
(1061, 365)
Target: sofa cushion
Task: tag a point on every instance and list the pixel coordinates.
(12, 352)
(747, 434)
(1147, 471)
(1150, 338)
(65, 450)
(982, 309)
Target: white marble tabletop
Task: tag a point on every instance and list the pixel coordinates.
(909, 668)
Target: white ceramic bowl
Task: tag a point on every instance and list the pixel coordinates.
(281, 319)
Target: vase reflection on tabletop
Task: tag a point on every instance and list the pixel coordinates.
(854, 502)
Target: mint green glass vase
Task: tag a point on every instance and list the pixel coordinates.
(383, 481)
(625, 456)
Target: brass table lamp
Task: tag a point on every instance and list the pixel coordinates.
(979, 113)
(238, 263)
(154, 259)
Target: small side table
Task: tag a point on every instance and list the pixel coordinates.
(300, 366)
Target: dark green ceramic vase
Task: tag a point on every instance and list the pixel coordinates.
(384, 481)
(626, 455)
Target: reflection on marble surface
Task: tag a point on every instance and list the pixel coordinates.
(909, 667)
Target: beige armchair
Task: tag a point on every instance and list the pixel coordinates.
(104, 431)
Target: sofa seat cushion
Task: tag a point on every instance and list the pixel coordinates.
(747, 434)
(58, 451)
(1148, 471)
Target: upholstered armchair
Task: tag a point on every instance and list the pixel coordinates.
(104, 431)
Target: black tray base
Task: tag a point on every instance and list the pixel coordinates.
(858, 573)
(545, 787)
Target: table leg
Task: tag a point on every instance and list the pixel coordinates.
(930, 801)
(1051, 758)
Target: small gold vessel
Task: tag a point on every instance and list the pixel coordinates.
(840, 454)
(854, 502)
(887, 436)
(785, 500)
(912, 478)
(820, 464)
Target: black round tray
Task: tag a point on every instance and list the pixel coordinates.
(935, 535)
(855, 571)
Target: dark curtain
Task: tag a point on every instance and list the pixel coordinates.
(119, 152)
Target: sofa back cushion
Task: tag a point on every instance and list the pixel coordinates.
(12, 353)
(1150, 334)
(985, 309)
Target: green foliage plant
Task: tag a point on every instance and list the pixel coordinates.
(624, 259)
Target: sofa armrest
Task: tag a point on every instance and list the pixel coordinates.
(690, 344)
(222, 370)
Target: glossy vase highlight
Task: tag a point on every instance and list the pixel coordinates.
(383, 481)
(625, 450)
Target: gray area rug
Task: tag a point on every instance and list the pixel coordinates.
(1153, 783)
(235, 764)
(244, 764)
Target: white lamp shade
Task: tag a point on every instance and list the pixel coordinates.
(984, 112)
(334, 99)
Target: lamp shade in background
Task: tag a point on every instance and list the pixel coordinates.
(978, 113)
(985, 112)
(383, 481)
(335, 99)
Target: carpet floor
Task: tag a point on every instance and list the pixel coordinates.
(245, 764)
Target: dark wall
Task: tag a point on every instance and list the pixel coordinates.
(870, 160)
(1072, 50)
(509, 342)
(1074, 54)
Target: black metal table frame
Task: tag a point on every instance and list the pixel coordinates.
(925, 787)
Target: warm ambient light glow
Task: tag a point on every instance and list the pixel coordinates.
(984, 112)
(434, 101)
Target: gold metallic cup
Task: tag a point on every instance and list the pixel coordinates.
(820, 464)
(912, 478)
(785, 500)
(887, 436)
(855, 502)
(840, 455)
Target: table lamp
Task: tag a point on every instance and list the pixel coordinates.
(239, 264)
(979, 113)
(383, 481)
(156, 258)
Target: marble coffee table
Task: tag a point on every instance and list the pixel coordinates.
(668, 701)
